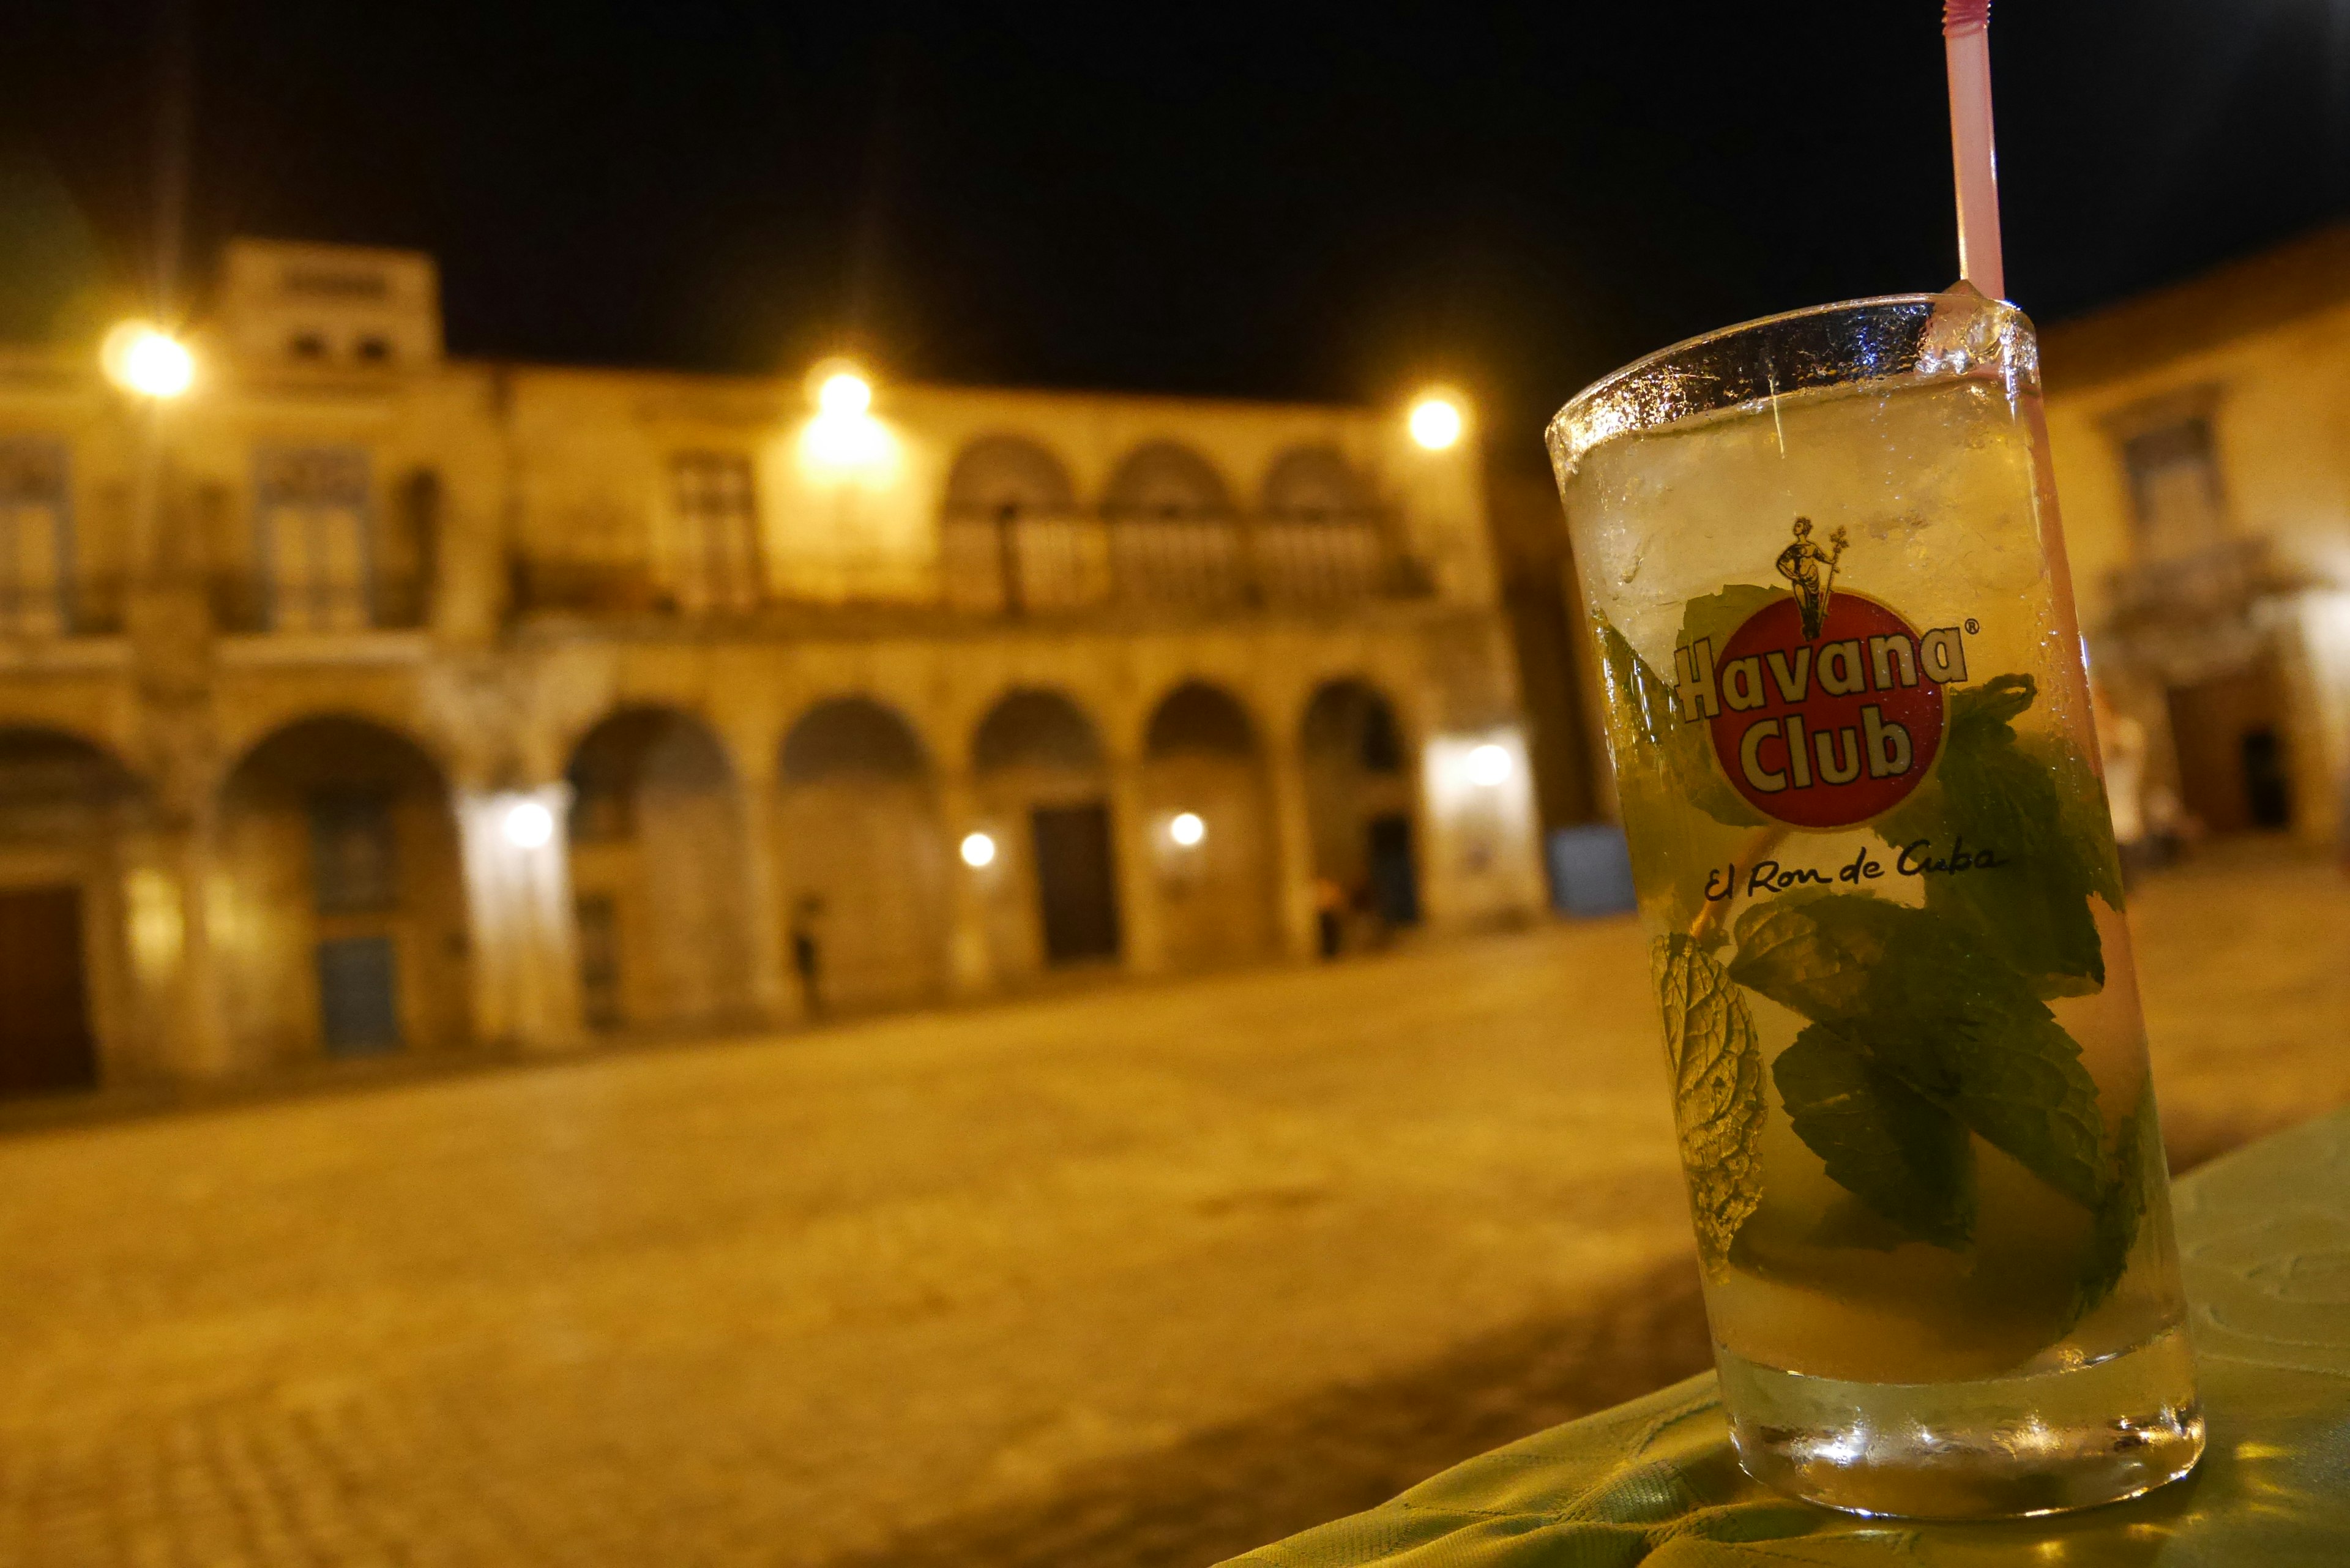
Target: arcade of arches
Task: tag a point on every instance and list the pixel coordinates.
(358, 899)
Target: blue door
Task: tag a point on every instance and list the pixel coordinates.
(358, 996)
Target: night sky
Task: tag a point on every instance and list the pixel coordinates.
(1257, 201)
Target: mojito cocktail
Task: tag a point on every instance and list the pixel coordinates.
(1853, 750)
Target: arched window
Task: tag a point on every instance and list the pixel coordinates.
(1011, 537)
(1174, 535)
(1319, 536)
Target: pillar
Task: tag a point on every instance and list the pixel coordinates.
(1135, 833)
(166, 884)
(970, 969)
(1293, 845)
(772, 994)
(526, 968)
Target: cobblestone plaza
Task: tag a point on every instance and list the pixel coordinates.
(866, 1293)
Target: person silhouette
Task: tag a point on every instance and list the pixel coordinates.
(1800, 564)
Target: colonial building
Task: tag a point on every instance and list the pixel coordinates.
(364, 699)
(2202, 436)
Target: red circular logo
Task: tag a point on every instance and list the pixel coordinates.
(1829, 731)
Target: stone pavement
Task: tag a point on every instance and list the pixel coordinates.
(1136, 1277)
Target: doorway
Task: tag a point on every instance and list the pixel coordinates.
(358, 996)
(2234, 767)
(46, 1044)
(1393, 883)
(1076, 882)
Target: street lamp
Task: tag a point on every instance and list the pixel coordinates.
(978, 850)
(844, 392)
(1437, 422)
(844, 435)
(1187, 829)
(140, 357)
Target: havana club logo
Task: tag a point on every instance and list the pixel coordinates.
(1825, 708)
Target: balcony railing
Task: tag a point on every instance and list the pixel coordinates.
(1030, 567)
(2217, 582)
(1040, 565)
(244, 602)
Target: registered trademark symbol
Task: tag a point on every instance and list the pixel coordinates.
(1973, 625)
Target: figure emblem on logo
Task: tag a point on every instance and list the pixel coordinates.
(1824, 708)
(1800, 564)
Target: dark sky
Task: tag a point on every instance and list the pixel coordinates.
(1259, 200)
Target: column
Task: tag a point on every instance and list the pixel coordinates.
(166, 877)
(1293, 841)
(777, 1001)
(1135, 833)
(970, 969)
(526, 967)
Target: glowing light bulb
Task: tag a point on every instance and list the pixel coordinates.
(845, 392)
(1436, 422)
(978, 850)
(1187, 829)
(141, 358)
(1488, 765)
(529, 824)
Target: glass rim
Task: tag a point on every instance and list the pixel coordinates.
(1613, 380)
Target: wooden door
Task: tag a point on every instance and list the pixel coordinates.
(44, 1038)
(2232, 769)
(1076, 882)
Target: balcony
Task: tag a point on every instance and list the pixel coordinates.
(1032, 566)
(248, 603)
(2190, 613)
(1028, 566)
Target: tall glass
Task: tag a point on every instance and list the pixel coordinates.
(1853, 749)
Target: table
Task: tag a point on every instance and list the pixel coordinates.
(2264, 1234)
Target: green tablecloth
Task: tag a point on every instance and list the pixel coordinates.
(2265, 1235)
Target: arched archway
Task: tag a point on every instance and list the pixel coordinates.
(1318, 535)
(657, 857)
(863, 865)
(1012, 534)
(1362, 797)
(345, 928)
(66, 897)
(1205, 786)
(1174, 532)
(1051, 890)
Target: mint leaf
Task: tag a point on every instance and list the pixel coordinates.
(1717, 1067)
(2137, 1162)
(1915, 993)
(1667, 760)
(1906, 1157)
(2042, 811)
(2086, 814)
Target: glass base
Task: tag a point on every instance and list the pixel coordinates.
(2002, 1448)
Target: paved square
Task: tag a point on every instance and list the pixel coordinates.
(786, 1301)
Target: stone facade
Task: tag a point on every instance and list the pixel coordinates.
(296, 673)
(2201, 438)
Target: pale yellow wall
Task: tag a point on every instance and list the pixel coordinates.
(543, 463)
(593, 446)
(2280, 417)
(2281, 427)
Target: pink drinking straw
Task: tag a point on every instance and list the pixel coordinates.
(1966, 40)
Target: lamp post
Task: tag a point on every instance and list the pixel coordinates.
(170, 658)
